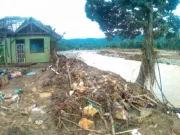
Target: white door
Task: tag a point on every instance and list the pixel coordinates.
(20, 53)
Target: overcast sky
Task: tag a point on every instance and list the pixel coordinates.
(64, 15)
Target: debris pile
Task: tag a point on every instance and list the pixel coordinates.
(97, 101)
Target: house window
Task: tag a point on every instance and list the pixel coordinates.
(36, 45)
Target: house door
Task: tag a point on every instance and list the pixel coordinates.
(20, 53)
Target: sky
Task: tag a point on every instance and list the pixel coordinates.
(65, 15)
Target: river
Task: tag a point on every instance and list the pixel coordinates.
(129, 69)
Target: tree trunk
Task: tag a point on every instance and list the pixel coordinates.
(147, 73)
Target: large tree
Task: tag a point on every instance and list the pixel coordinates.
(174, 27)
(129, 18)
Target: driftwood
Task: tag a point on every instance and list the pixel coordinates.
(57, 61)
(111, 118)
(69, 75)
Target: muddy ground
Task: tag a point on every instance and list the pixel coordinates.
(61, 112)
(166, 57)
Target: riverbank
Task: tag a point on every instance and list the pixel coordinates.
(166, 57)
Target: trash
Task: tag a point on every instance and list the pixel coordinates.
(8, 96)
(146, 112)
(1, 97)
(97, 108)
(39, 122)
(16, 74)
(89, 111)
(178, 115)
(86, 124)
(24, 71)
(18, 91)
(149, 106)
(45, 94)
(53, 69)
(34, 105)
(119, 112)
(14, 97)
(36, 109)
(71, 92)
(135, 132)
(10, 77)
(31, 73)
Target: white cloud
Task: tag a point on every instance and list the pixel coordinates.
(177, 11)
(64, 15)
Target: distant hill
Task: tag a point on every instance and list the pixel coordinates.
(97, 43)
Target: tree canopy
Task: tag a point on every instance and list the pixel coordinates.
(129, 18)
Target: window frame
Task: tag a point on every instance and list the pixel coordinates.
(36, 45)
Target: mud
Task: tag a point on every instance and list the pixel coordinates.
(98, 86)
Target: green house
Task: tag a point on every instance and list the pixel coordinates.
(31, 42)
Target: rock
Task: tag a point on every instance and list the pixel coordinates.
(45, 95)
(86, 124)
(146, 112)
(89, 111)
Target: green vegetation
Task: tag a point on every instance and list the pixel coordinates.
(101, 43)
(98, 43)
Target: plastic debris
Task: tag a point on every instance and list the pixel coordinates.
(178, 115)
(1, 97)
(86, 124)
(146, 112)
(18, 91)
(36, 109)
(14, 97)
(45, 94)
(39, 122)
(31, 73)
(8, 96)
(97, 108)
(135, 132)
(89, 111)
(24, 71)
(119, 112)
(16, 74)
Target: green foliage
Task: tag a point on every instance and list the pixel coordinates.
(174, 27)
(129, 18)
(169, 44)
(95, 43)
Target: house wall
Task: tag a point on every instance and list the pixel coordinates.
(30, 57)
